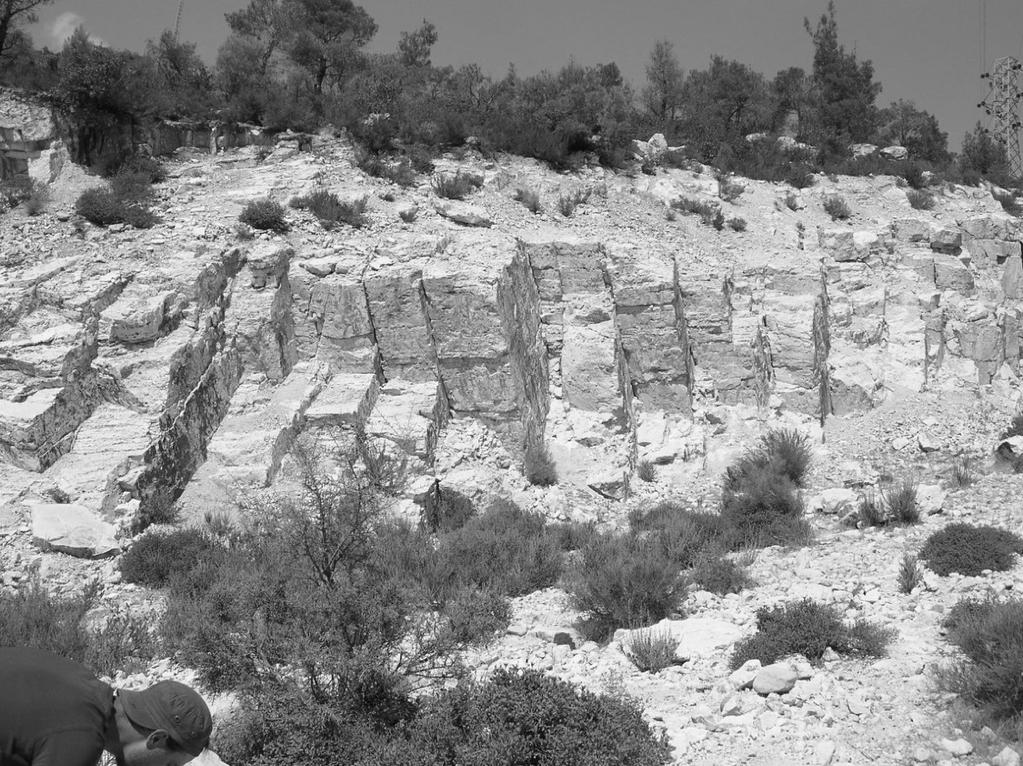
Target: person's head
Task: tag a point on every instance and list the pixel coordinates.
(167, 724)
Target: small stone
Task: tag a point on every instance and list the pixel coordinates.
(957, 747)
(778, 678)
(927, 443)
(1006, 757)
(743, 677)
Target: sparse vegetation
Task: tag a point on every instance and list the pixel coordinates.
(990, 675)
(32, 617)
(539, 467)
(962, 472)
(713, 571)
(156, 557)
(265, 215)
(836, 206)
(909, 574)
(870, 512)
(457, 186)
(737, 224)
(409, 214)
(709, 212)
(808, 628)
(729, 190)
(399, 171)
(624, 581)
(105, 208)
(920, 199)
(653, 651)
(646, 471)
(970, 550)
(791, 201)
(330, 210)
(567, 203)
(530, 198)
(901, 503)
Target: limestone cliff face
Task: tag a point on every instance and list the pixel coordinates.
(132, 378)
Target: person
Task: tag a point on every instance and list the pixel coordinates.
(55, 712)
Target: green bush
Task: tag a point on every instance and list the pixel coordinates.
(535, 719)
(714, 572)
(156, 557)
(477, 615)
(567, 203)
(737, 224)
(104, 208)
(624, 581)
(32, 617)
(990, 634)
(870, 512)
(451, 511)
(920, 200)
(837, 207)
(784, 451)
(652, 652)
(399, 171)
(264, 214)
(808, 628)
(969, 550)
(646, 471)
(330, 210)
(901, 502)
(530, 198)
(679, 533)
(909, 574)
(515, 717)
(539, 467)
(459, 186)
(709, 212)
(504, 549)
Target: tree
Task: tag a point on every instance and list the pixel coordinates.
(326, 34)
(723, 104)
(663, 92)
(414, 47)
(845, 90)
(13, 14)
(265, 23)
(791, 89)
(985, 155)
(184, 81)
(903, 124)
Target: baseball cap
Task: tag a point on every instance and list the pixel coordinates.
(173, 707)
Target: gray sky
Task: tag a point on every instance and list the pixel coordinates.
(928, 51)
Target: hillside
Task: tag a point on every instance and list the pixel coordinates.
(174, 368)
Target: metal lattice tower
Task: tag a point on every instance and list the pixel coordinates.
(1002, 105)
(177, 24)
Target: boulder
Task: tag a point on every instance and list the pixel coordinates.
(930, 499)
(1012, 279)
(1006, 757)
(911, 230)
(463, 213)
(71, 529)
(946, 240)
(951, 274)
(846, 245)
(895, 153)
(777, 678)
(743, 677)
(136, 317)
(697, 636)
(859, 151)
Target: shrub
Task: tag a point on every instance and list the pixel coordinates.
(329, 210)
(651, 651)
(100, 207)
(901, 503)
(909, 574)
(15, 190)
(155, 557)
(962, 472)
(567, 203)
(714, 572)
(530, 198)
(459, 186)
(737, 224)
(38, 199)
(477, 615)
(451, 510)
(408, 215)
(264, 214)
(990, 634)
(709, 212)
(539, 467)
(31, 617)
(791, 201)
(624, 581)
(800, 176)
(398, 171)
(132, 187)
(870, 512)
(970, 550)
(920, 200)
(808, 628)
(532, 718)
(646, 471)
(573, 535)
(729, 190)
(505, 549)
(837, 208)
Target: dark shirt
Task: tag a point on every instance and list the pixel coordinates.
(53, 712)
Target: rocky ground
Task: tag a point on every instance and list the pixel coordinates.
(180, 363)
